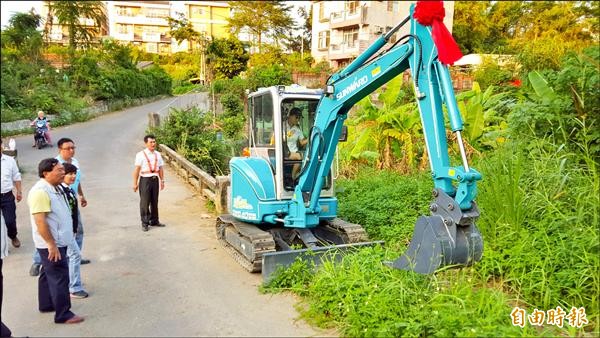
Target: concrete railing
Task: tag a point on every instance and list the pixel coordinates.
(213, 188)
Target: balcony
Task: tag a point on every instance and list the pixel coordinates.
(151, 36)
(348, 18)
(124, 36)
(344, 50)
(141, 20)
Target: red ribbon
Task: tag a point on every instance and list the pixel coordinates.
(431, 13)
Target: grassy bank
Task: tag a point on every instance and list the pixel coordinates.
(539, 218)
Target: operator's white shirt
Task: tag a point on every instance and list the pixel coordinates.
(155, 159)
(10, 173)
(293, 136)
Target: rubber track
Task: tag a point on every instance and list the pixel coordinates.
(262, 241)
(355, 233)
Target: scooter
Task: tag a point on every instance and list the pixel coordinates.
(39, 135)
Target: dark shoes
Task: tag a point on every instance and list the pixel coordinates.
(79, 294)
(159, 225)
(35, 269)
(85, 261)
(74, 320)
(16, 242)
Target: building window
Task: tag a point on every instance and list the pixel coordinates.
(393, 6)
(322, 17)
(157, 13)
(122, 29)
(352, 7)
(323, 40)
(351, 37)
(125, 11)
(152, 47)
(197, 11)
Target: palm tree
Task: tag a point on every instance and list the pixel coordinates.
(72, 14)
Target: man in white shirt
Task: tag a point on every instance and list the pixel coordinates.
(294, 138)
(148, 176)
(11, 179)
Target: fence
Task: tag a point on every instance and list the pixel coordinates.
(213, 188)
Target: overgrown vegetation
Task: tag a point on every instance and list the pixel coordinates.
(106, 72)
(192, 134)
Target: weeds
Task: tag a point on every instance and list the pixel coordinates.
(539, 204)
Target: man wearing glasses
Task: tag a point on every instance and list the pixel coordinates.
(52, 227)
(66, 152)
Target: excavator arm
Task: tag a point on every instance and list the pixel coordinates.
(449, 235)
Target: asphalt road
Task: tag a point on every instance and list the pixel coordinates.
(173, 281)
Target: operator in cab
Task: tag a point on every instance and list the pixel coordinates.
(294, 138)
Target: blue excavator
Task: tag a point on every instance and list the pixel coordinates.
(282, 201)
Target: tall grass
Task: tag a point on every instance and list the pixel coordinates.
(539, 202)
(540, 205)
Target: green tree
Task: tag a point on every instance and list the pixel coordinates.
(261, 18)
(71, 13)
(471, 27)
(21, 38)
(181, 29)
(301, 42)
(547, 30)
(226, 57)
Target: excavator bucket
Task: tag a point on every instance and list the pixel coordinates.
(272, 261)
(448, 237)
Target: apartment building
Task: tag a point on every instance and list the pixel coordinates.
(56, 33)
(141, 23)
(342, 30)
(207, 17)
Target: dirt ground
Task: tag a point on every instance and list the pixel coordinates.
(172, 281)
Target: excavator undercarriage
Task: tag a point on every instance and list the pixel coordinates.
(265, 248)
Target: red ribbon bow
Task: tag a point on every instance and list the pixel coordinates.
(431, 13)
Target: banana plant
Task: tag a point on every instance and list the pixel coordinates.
(388, 132)
(541, 87)
(482, 121)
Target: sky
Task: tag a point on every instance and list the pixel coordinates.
(8, 8)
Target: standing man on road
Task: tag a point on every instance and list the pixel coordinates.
(11, 179)
(66, 153)
(146, 176)
(52, 230)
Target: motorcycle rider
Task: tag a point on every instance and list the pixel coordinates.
(43, 124)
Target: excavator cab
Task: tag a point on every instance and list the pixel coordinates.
(276, 139)
(263, 188)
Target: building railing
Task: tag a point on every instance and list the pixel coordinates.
(345, 47)
(348, 17)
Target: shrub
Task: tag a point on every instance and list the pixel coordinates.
(368, 199)
(192, 135)
(266, 76)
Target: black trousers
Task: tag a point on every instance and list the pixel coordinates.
(7, 202)
(53, 286)
(149, 188)
(4, 330)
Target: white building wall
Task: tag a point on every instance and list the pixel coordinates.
(370, 18)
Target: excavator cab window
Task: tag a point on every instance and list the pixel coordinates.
(262, 120)
(297, 116)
